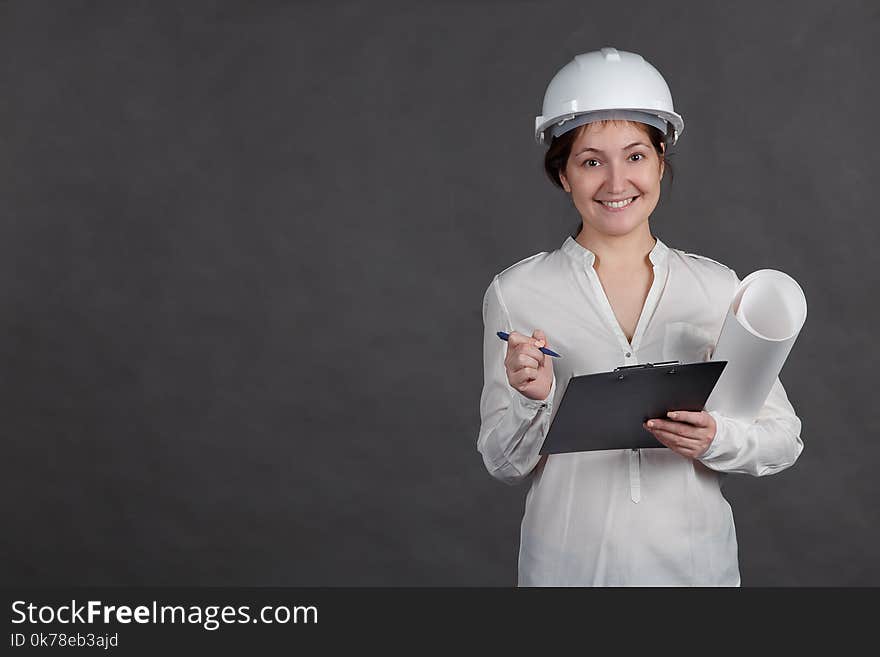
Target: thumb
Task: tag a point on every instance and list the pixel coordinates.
(538, 334)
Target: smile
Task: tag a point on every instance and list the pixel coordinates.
(614, 206)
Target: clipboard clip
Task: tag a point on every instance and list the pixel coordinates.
(647, 365)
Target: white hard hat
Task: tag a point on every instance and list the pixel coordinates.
(606, 84)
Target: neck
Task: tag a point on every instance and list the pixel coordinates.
(628, 251)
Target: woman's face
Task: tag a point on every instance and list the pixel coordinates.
(614, 161)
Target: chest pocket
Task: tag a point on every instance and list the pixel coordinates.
(687, 343)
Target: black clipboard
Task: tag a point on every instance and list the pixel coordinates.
(606, 410)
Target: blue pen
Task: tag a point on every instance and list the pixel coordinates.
(504, 336)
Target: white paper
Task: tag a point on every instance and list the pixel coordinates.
(764, 319)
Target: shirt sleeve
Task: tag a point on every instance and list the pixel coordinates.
(768, 444)
(512, 426)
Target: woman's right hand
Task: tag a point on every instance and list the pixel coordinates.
(529, 370)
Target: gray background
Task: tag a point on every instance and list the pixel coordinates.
(243, 248)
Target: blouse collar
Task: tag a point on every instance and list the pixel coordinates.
(574, 250)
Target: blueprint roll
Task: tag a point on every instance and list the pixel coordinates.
(763, 321)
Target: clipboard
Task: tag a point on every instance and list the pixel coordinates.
(606, 410)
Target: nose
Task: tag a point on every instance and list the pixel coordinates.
(615, 183)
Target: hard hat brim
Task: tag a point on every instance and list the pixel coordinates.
(542, 124)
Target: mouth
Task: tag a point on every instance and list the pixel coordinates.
(618, 206)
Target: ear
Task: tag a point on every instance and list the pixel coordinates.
(564, 181)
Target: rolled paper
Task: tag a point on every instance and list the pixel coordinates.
(764, 319)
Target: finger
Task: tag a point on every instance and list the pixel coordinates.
(525, 376)
(667, 439)
(662, 439)
(526, 350)
(687, 453)
(515, 339)
(520, 385)
(696, 418)
(531, 352)
(679, 428)
(539, 335)
(676, 439)
(524, 360)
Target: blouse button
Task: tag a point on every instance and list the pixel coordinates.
(628, 354)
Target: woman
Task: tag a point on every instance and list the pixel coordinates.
(615, 295)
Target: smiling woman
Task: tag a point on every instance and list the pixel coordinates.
(614, 295)
(649, 145)
(613, 175)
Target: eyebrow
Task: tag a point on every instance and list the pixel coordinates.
(596, 150)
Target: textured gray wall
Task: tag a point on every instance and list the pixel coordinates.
(243, 248)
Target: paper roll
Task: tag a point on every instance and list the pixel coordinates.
(764, 319)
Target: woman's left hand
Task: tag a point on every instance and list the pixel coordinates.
(688, 433)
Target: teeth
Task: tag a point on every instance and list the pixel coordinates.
(618, 204)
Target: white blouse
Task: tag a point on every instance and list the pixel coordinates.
(646, 517)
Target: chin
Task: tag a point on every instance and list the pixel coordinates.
(615, 229)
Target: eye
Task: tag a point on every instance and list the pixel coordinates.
(587, 162)
(638, 155)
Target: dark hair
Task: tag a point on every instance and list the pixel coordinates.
(560, 148)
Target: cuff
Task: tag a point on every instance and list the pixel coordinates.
(717, 444)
